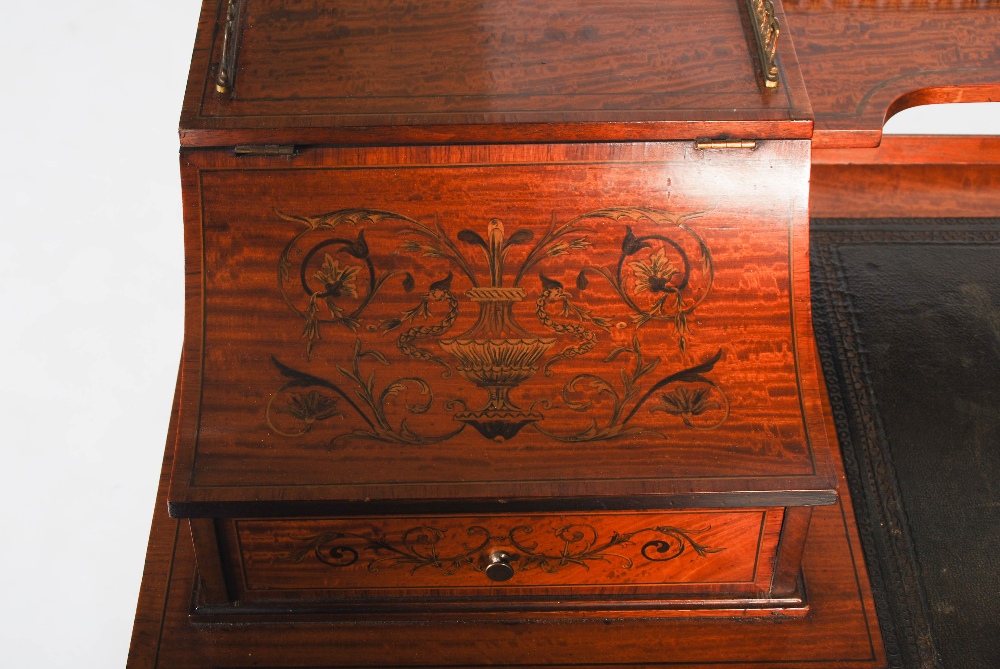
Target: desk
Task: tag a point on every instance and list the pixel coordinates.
(185, 616)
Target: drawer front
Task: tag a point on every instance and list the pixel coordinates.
(659, 554)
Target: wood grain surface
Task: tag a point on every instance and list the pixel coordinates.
(342, 561)
(841, 631)
(592, 71)
(388, 72)
(285, 401)
(865, 60)
(908, 176)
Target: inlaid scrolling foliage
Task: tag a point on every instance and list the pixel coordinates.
(330, 279)
(578, 544)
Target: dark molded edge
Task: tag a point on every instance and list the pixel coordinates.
(516, 608)
(497, 133)
(363, 508)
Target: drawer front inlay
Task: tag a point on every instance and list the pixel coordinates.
(682, 551)
(577, 544)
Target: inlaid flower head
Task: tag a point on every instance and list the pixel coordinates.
(687, 403)
(337, 281)
(653, 274)
(311, 406)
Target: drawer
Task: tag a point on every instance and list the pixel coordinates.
(494, 559)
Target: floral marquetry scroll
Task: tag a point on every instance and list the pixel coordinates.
(354, 557)
(569, 546)
(484, 320)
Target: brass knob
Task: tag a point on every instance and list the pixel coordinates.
(498, 567)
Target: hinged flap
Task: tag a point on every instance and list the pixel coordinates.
(460, 328)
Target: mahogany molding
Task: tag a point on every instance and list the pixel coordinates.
(916, 150)
(908, 176)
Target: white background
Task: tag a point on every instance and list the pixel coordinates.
(91, 296)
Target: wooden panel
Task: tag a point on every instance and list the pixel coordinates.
(343, 560)
(908, 177)
(898, 191)
(952, 150)
(841, 631)
(460, 71)
(788, 562)
(212, 583)
(545, 323)
(864, 60)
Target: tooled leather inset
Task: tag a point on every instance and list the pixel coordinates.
(883, 529)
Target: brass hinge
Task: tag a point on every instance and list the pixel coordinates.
(264, 150)
(704, 144)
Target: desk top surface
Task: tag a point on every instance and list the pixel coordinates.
(442, 71)
(434, 72)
